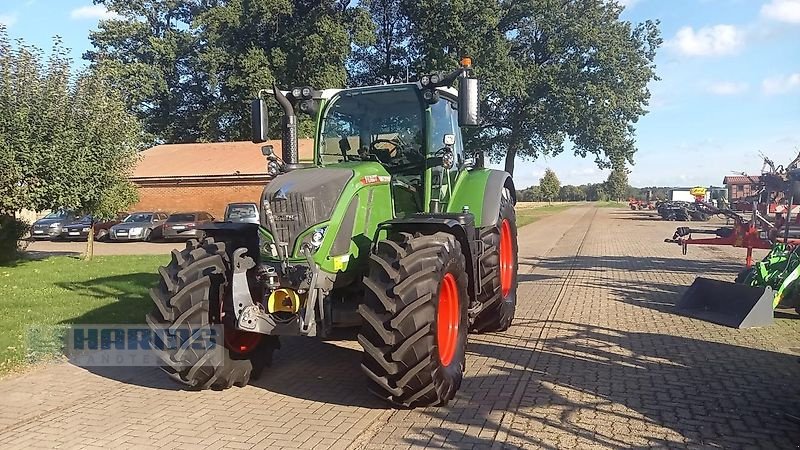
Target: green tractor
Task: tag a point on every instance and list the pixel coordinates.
(394, 228)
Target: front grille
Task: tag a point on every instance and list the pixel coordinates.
(292, 215)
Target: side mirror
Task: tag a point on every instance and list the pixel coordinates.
(259, 120)
(468, 102)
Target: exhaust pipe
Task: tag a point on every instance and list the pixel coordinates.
(288, 131)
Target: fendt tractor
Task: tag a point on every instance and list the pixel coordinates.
(394, 228)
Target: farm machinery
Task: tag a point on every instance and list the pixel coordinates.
(763, 285)
(394, 228)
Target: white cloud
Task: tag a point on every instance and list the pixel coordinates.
(8, 19)
(781, 84)
(727, 88)
(717, 40)
(782, 11)
(93, 12)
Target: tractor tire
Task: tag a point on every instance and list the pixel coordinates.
(498, 272)
(189, 294)
(414, 331)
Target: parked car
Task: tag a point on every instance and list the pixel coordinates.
(79, 229)
(183, 225)
(49, 226)
(241, 212)
(139, 226)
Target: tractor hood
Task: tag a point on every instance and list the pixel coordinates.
(300, 199)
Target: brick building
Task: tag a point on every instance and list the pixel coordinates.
(204, 176)
(740, 186)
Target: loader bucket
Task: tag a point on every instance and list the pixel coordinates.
(730, 304)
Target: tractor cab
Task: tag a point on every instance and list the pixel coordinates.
(413, 130)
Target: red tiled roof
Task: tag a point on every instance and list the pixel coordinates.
(209, 159)
(740, 179)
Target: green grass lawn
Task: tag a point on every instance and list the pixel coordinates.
(530, 215)
(41, 295)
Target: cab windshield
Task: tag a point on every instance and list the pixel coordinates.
(383, 124)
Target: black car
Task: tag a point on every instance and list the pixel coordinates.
(79, 229)
(49, 226)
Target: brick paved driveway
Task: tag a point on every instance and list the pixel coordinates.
(594, 359)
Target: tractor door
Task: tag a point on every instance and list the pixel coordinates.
(445, 143)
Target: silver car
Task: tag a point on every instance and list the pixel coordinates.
(139, 226)
(49, 226)
(241, 212)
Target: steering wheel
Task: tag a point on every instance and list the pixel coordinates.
(392, 152)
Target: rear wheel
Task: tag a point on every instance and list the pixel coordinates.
(415, 319)
(497, 302)
(189, 295)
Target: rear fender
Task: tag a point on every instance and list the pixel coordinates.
(462, 226)
(480, 190)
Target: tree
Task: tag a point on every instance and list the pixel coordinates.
(616, 186)
(194, 64)
(150, 53)
(550, 71)
(67, 140)
(549, 185)
(385, 57)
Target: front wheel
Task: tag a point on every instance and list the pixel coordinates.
(415, 319)
(189, 295)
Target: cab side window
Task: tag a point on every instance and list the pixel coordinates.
(441, 123)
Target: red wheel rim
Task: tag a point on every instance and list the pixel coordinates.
(241, 341)
(447, 319)
(506, 258)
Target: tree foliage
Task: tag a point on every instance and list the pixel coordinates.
(198, 62)
(549, 185)
(66, 140)
(555, 74)
(616, 186)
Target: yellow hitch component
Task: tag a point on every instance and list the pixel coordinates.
(284, 300)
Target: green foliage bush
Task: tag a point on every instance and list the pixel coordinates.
(12, 230)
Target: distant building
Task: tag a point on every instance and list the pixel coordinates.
(204, 176)
(740, 186)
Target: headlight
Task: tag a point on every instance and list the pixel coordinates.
(86, 229)
(307, 92)
(296, 93)
(317, 237)
(314, 240)
(425, 80)
(136, 230)
(55, 225)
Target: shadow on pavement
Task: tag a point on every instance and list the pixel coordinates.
(635, 264)
(623, 389)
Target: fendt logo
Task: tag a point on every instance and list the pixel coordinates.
(141, 345)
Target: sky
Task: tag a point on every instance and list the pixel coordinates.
(729, 87)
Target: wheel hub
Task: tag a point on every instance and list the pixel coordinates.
(506, 258)
(447, 319)
(241, 341)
